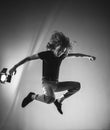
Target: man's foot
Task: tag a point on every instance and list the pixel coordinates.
(27, 99)
(58, 105)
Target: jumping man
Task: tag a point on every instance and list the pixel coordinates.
(58, 49)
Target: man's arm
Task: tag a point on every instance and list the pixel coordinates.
(92, 58)
(29, 58)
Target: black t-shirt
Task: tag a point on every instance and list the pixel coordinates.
(51, 65)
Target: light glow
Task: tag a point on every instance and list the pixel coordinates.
(3, 78)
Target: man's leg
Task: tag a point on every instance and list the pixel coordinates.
(48, 95)
(71, 87)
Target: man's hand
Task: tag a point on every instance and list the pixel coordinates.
(12, 71)
(92, 58)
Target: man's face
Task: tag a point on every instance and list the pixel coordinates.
(60, 51)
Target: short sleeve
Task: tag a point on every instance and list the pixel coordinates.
(44, 55)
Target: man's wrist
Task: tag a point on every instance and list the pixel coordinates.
(15, 66)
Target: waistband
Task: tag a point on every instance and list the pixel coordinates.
(49, 81)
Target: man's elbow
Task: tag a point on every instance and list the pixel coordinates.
(33, 57)
(28, 58)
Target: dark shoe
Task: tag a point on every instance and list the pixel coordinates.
(58, 105)
(27, 99)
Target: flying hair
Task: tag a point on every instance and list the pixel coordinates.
(59, 39)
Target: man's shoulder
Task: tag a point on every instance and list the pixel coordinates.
(45, 54)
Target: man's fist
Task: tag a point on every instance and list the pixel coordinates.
(92, 58)
(12, 71)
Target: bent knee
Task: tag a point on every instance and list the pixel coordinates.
(49, 99)
(78, 86)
